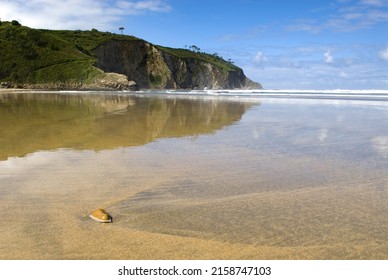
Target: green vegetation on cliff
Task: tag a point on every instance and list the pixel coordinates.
(210, 58)
(31, 57)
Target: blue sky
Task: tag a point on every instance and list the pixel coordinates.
(284, 44)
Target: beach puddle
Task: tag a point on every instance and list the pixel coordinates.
(192, 177)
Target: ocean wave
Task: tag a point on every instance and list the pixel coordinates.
(338, 94)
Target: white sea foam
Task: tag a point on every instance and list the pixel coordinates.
(293, 92)
(312, 93)
(320, 95)
(380, 95)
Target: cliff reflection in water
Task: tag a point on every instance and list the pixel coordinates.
(30, 122)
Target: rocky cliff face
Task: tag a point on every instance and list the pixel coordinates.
(151, 67)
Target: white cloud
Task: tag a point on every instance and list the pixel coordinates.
(347, 16)
(260, 57)
(309, 72)
(377, 3)
(383, 54)
(74, 14)
(303, 66)
(328, 57)
(145, 5)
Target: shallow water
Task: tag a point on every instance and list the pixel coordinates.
(193, 177)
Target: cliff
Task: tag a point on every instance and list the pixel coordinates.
(61, 59)
(151, 66)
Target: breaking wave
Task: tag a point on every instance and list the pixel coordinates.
(371, 97)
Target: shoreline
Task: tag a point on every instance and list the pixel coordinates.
(12, 90)
(269, 92)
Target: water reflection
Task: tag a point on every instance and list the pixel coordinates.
(31, 122)
(354, 132)
(380, 144)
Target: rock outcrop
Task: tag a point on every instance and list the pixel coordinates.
(112, 81)
(151, 67)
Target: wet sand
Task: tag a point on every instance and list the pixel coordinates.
(247, 190)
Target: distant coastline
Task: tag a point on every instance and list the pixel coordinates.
(94, 60)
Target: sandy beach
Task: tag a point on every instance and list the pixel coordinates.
(245, 182)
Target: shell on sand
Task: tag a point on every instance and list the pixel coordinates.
(100, 215)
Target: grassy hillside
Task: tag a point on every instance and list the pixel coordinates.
(35, 56)
(43, 56)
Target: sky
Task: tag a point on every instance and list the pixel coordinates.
(283, 44)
